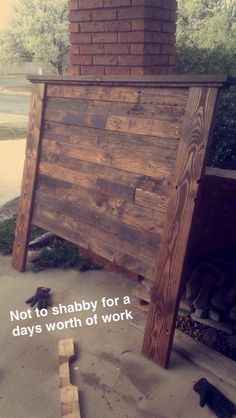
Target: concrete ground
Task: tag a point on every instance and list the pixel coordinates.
(12, 155)
(113, 378)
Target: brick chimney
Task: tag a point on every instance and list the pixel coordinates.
(122, 37)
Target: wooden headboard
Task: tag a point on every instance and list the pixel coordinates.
(114, 165)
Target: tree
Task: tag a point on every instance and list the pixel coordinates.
(206, 35)
(37, 31)
(206, 43)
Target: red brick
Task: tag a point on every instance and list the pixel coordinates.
(74, 27)
(132, 12)
(133, 37)
(105, 60)
(172, 39)
(152, 70)
(131, 60)
(117, 70)
(80, 16)
(117, 49)
(93, 70)
(92, 27)
(92, 49)
(80, 38)
(170, 4)
(137, 49)
(161, 14)
(73, 4)
(81, 59)
(116, 3)
(90, 4)
(138, 24)
(172, 59)
(117, 26)
(168, 49)
(137, 71)
(104, 14)
(168, 27)
(153, 3)
(167, 70)
(153, 25)
(173, 16)
(108, 38)
(156, 37)
(160, 60)
(74, 70)
(74, 49)
(152, 49)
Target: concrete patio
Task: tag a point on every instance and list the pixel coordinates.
(113, 378)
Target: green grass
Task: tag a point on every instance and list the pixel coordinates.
(12, 131)
(7, 232)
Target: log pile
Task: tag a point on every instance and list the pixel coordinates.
(210, 293)
(207, 310)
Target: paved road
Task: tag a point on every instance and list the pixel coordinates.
(13, 80)
(14, 104)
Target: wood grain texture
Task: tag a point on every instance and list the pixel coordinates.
(69, 395)
(183, 80)
(135, 256)
(126, 161)
(109, 223)
(102, 201)
(188, 170)
(29, 178)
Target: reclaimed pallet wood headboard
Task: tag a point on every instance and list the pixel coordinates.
(114, 165)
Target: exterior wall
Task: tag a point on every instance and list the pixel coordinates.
(214, 225)
(122, 37)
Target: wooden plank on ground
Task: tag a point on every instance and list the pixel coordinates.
(69, 395)
(189, 168)
(29, 178)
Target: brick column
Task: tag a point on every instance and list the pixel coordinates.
(122, 37)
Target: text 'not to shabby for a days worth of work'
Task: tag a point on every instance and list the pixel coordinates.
(90, 307)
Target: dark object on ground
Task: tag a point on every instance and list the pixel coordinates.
(143, 302)
(42, 297)
(214, 399)
(86, 265)
(42, 241)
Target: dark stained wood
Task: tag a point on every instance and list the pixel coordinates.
(118, 159)
(114, 167)
(189, 168)
(93, 238)
(147, 126)
(161, 149)
(163, 104)
(184, 80)
(151, 200)
(29, 178)
(161, 128)
(106, 93)
(119, 208)
(104, 221)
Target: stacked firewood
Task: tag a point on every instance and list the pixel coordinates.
(207, 310)
(210, 293)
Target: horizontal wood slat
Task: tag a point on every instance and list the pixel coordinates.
(121, 251)
(115, 167)
(121, 208)
(120, 160)
(99, 219)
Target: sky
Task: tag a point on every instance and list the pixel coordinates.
(5, 6)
